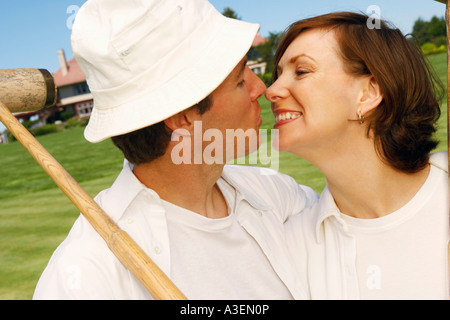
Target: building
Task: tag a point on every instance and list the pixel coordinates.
(254, 62)
(259, 39)
(74, 97)
(257, 66)
(3, 138)
(76, 100)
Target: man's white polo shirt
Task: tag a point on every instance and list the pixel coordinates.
(83, 267)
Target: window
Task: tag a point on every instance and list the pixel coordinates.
(84, 109)
(81, 88)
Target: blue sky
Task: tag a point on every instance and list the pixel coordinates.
(32, 31)
(277, 15)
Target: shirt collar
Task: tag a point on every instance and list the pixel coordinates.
(244, 190)
(127, 187)
(123, 191)
(325, 208)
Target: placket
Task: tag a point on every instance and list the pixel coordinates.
(146, 222)
(265, 228)
(347, 244)
(351, 277)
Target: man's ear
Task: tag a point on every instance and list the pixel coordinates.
(183, 120)
(371, 95)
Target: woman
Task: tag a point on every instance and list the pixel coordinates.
(361, 105)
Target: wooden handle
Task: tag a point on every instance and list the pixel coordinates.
(447, 19)
(23, 90)
(120, 243)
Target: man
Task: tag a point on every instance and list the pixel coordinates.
(159, 72)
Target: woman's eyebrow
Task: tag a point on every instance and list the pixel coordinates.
(293, 60)
(302, 55)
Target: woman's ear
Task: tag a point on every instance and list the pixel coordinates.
(371, 95)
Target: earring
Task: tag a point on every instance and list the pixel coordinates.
(361, 117)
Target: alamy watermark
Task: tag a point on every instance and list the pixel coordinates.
(72, 11)
(374, 20)
(213, 146)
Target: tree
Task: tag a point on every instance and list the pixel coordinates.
(266, 51)
(420, 31)
(228, 12)
(433, 31)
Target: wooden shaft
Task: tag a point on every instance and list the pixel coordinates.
(125, 249)
(447, 19)
(24, 90)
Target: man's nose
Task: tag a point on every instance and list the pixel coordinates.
(259, 88)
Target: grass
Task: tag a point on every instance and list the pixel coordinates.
(35, 216)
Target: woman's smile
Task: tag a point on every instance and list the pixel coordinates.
(283, 116)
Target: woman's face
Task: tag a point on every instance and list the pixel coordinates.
(314, 99)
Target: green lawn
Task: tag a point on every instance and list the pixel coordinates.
(36, 216)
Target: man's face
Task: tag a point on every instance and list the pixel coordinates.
(236, 111)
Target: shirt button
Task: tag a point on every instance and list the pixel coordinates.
(130, 220)
(156, 249)
(125, 53)
(260, 213)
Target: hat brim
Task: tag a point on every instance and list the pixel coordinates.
(229, 41)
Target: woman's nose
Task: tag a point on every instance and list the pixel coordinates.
(276, 92)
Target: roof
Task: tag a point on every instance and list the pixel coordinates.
(74, 74)
(259, 39)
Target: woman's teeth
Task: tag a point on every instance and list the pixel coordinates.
(288, 116)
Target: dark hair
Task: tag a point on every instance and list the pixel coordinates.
(404, 122)
(147, 144)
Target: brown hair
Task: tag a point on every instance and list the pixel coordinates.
(150, 143)
(404, 122)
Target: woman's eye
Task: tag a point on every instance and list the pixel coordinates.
(241, 84)
(300, 73)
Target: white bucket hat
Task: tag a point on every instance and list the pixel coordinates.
(146, 60)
